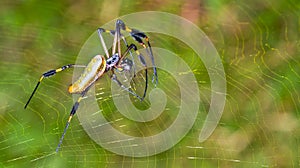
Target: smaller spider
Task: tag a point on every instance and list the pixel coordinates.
(99, 65)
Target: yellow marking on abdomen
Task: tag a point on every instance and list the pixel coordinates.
(91, 73)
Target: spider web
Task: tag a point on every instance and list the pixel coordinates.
(258, 42)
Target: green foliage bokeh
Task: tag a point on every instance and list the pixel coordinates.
(258, 42)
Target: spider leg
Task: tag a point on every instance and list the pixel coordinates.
(100, 31)
(116, 80)
(72, 113)
(116, 39)
(117, 35)
(143, 62)
(112, 32)
(130, 53)
(139, 36)
(49, 74)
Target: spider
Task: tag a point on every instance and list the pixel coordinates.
(99, 65)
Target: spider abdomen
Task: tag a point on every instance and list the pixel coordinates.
(91, 73)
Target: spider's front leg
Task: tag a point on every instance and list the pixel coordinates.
(142, 61)
(120, 67)
(113, 33)
(139, 36)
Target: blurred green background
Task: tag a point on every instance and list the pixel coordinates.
(258, 42)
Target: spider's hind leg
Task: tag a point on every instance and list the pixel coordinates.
(49, 74)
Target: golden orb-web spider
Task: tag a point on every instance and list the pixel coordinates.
(99, 65)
